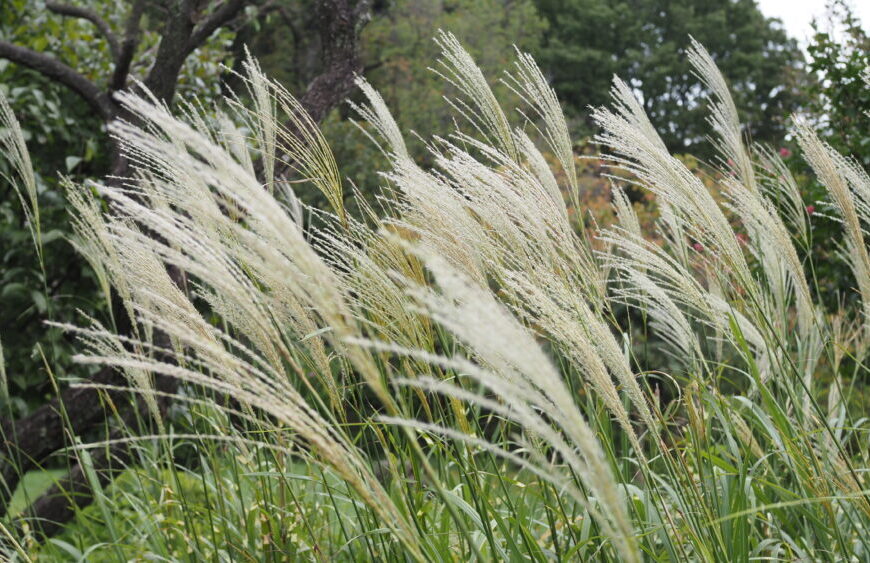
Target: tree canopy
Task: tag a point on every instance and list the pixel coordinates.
(645, 41)
(839, 99)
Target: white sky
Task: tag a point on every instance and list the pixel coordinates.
(796, 15)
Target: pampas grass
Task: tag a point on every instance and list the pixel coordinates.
(454, 374)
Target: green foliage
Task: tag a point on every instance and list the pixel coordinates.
(840, 99)
(644, 41)
(32, 485)
(454, 378)
(397, 47)
(29, 294)
(837, 106)
(64, 138)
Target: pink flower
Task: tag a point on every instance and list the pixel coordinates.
(811, 209)
(730, 162)
(742, 237)
(698, 247)
(784, 152)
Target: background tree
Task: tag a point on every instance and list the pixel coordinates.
(396, 49)
(840, 100)
(59, 64)
(644, 42)
(837, 107)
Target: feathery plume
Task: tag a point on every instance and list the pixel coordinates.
(479, 106)
(843, 180)
(529, 84)
(21, 177)
(525, 379)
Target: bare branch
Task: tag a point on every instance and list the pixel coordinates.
(60, 72)
(172, 50)
(363, 11)
(91, 16)
(339, 26)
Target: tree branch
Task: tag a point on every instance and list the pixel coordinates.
(339, 26)
(228, 10)
(172, 50)
(62, 73)
(128, 46)
(362, 12)
(91, 16)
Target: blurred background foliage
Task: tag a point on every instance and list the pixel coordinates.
(580, 44)
(64, 138)
(643, 41)
(838, 101)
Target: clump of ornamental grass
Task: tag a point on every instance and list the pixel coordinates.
(452, 374)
